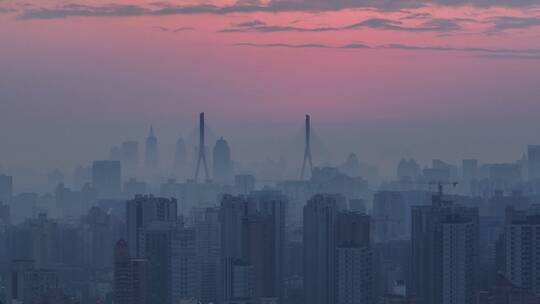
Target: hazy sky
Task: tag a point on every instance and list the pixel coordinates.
(423, 78)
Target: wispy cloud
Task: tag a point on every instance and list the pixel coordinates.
(433, 25)
(7, 10)
(510, 56)
(286, 45)
(275, 6)
(174, 30)
(79, 10)
(500, 53)
(503, 23)
(458, 49)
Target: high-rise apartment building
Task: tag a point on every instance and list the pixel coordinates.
(522, 249)
(140, 212)
(445, 247)
(130, 276)
(320, 244)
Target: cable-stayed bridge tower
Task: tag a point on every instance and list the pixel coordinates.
(307, 152)
(202, 150)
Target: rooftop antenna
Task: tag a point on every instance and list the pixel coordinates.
(307, 152)
(202, 149)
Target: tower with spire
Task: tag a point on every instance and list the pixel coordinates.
(151, 153)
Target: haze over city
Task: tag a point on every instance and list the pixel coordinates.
(269, 151)
(455, 79)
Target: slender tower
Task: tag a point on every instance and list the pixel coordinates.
(151, 157)
(307, 152)
(202, 150)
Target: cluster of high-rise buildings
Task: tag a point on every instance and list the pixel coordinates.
(121, 234)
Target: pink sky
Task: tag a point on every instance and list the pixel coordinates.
(70, 67)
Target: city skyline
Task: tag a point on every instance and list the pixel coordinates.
(103, 73)
(269, 152)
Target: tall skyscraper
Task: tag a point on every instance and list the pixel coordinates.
(142, 211)
(172, 269)
(130, 158)
(184, 265)
(354, 278)
(445, 248)
(106, 178)
(269, 272)
(320, 215)
(208, 238)
(231, 284)
(408, 170)
(151, 157)
(157, 250)
(6, 188)
(130, 276)
(133, 187)
(222, 163)
(522, 249)
(253, 233)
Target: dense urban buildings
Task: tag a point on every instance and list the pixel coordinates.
(121, 233)
(269, 152)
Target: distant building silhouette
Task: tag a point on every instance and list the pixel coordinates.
(151, 157)
(244, 183)
(351, 167)
(408, 170)
(130, 158)
(106, 178)
(533, 156)
(222, 163)
(6, 188)
(5, 214)
(469, 173)
(133, 187)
